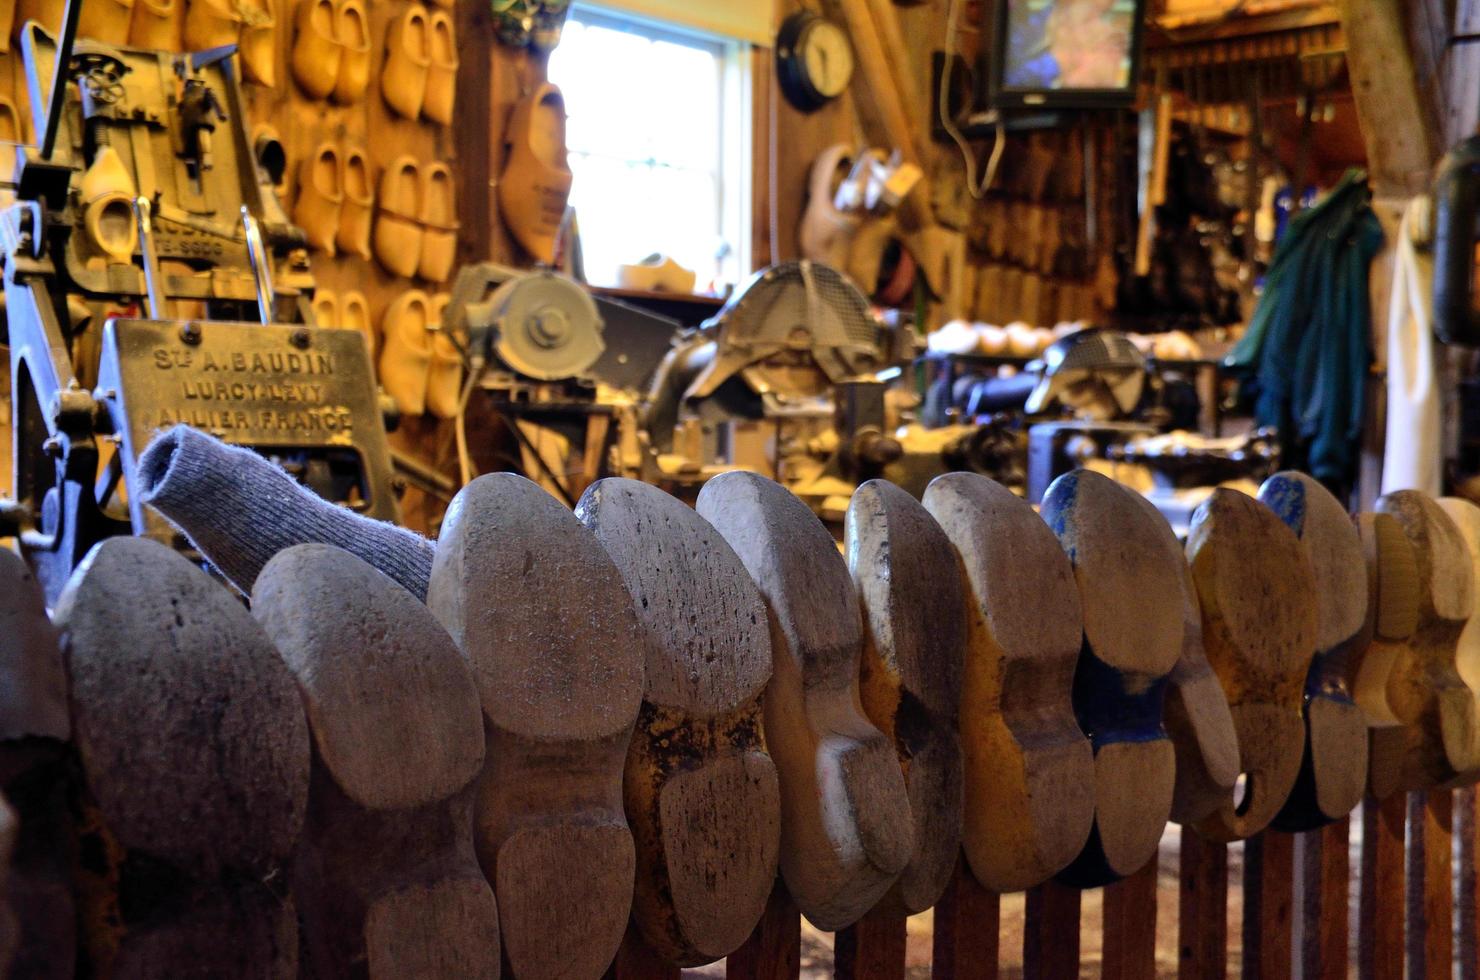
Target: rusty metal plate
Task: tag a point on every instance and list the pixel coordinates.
(280, 390)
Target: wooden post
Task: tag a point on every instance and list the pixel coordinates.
(1380, 916)
(1430, 895)
(1269, 871)
(871, 949)
(1467, 906)
(967, 925)
(1051, 933)
(1129, 926)
(1202, 908)
(1325, 876)
(774, 949)
(637, 961)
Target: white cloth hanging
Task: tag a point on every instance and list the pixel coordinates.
(1412, 459)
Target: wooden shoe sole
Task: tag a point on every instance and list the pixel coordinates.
(1030, 771)
(560, 677)
(1132, 639)
(701, 792)
(914, 612)
(846, 830)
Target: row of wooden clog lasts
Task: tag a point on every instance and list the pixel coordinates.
(644, 709)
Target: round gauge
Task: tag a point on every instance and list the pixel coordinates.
(814, 60)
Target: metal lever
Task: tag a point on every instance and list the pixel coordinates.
(144, 212)
(261, 271)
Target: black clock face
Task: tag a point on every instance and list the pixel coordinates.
(814, 60)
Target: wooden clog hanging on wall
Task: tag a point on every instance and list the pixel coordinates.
(1256, 589)
(385, 878)
(542, 616)
(1333, 774)
(1030, 771)
(914, 618)
(845, 814)
(701, 792)
(1131, 641)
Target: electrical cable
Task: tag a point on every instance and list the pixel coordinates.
(975, 189)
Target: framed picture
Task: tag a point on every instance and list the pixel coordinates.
(1065, 53)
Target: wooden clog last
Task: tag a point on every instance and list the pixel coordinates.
(385, 877)
(406, 355)
(1466, 517)
(352, 31)
(1030, 771)
(194, 747)
(542, 616)
(408, 58)
(1333, 774)
(845, 813)
(1392, 615)
(442, 72)
(397, 238)
(536, 180)
(914, 618)
(320, 196)
(1440, 742)
(1257, 594)
(358, 205)
(701, 792)
(439, 223)
(1132, 639)
(316, 49)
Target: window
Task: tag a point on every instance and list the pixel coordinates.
(659, 142)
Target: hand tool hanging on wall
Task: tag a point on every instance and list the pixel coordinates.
(542, 616)
(846, 830)
(701, 791)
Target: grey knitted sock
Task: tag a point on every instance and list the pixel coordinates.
(239, 510)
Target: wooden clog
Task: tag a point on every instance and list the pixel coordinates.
(155, 25)
(845, 813)
(542, 616)
(536, 180)
(354, 314)
(258, 43)
(1257, 593)
(320, 196)
(194, 747)
(1196, 709)
(211, 24)
(914, 629)
(316, 51)
(106, 21)
(397, 237)
(1030, 770)
(701, 793)
(385, 877)
(107, 192)
(406, 355)
(1441, 745)
(445, 375)
(439, 223)
(442, 72)
(826, 233)
(1131, 641)
(408, 58)
(1333, 773)
(325, 306)
(352, 31)
(357, 209)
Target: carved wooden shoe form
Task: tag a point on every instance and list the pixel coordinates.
(194, 747)
(155, 25)
(397, 239)
(258, 42)
(914, 618)
(701, 793)
(1131, 641)
(1466, 517)
(445, 376)
(1196, 710)
(536, 180)
(1424, 688)
(542, 616)
(107, 192)
(1392, 616)
(1030, 771)
(1257, 589)
(845, 812)
(316, 49)
(354, 314)
(34, 728)
(352, 31)
(106, 20)
(358, 207)
(406, 356)
(439, 223)
(211, 24)
(408, 58)
(320, 197)
(826, 233)
(442, 72)
(385, 878)
(1333, 773)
